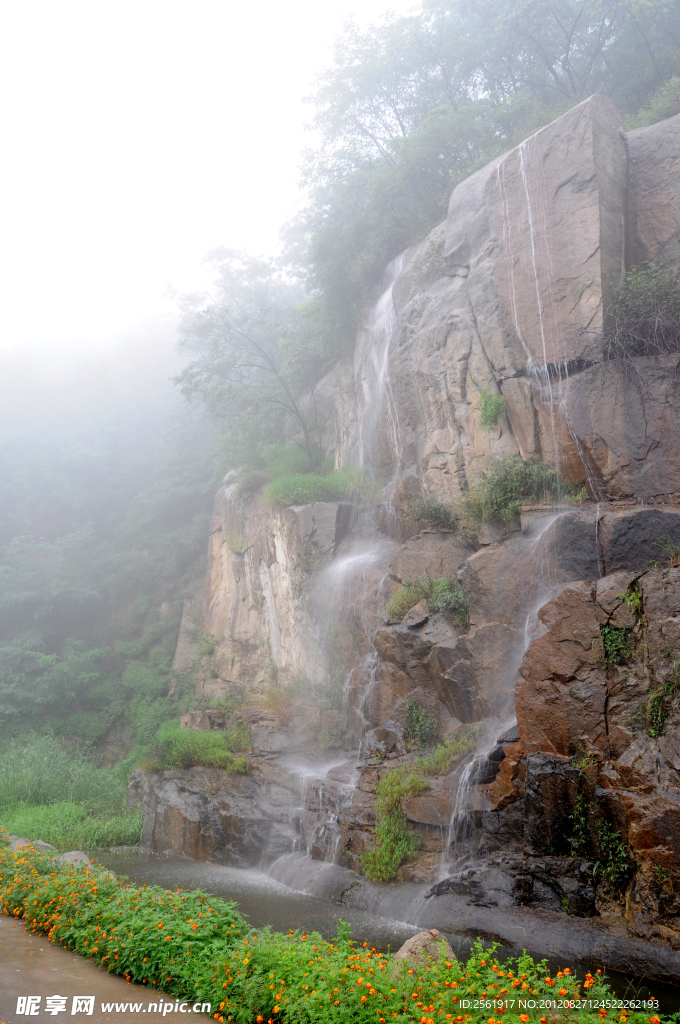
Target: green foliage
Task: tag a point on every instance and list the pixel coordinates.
(582, 759)
(657, 714)
(70, 826)
(505, 486)
(250, 366)
(434, 511)
(580, 834)
(59, 796)
(421, 724)
(444, 595)
(491, 408)
(393, 842)
(185, 748)
(304, 488)
(414, 104)
(41, 771)
(617, 644)
(632, 598)
(663, 103)
(613, 856)
(644, 318)
(671, 550)
(189, 945)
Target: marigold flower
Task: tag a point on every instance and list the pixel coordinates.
(524, 1017)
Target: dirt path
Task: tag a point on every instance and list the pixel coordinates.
(32, 966)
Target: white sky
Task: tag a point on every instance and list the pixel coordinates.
(137, 136)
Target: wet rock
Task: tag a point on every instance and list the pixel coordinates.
(426, 946)
(430, 554)
(74, 857)
(17, 842)
(417, 616)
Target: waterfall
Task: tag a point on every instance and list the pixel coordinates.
(379, 402)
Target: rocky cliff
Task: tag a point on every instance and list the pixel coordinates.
(508, 297)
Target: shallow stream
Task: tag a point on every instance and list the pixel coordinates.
(265, 901)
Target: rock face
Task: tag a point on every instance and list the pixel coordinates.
(599, 725)
(507, 298)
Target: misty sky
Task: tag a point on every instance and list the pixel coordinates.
(139, 135)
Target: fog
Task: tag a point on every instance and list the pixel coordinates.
(138, 136)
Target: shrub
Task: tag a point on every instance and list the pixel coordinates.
(185, 748)
(393, 842)
(305, 488)
(613, 855)
(190, 945)
(580, 835)
(250, 481)
(421, 724)
(491, 408)
(617, 644)
(444, 595)
(644, 318)
(505, 486)
(665, 102)
(70, 826)
(434, 511)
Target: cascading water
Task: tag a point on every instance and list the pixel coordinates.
(379, 402)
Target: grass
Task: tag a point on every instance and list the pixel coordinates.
(421, 724)
(491, 408)
(505, 486)
(443, 595)
(432, 510)
(192, 946)
(617, 644)
(186, 748)
(644, 318)
(394, 843)
(61, 797)
(305, 488)
(70, 826)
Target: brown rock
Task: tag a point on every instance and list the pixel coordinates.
(417, 616)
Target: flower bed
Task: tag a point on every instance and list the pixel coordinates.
(191, 945)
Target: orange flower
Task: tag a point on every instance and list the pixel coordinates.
(524, 1017)
(364, 999)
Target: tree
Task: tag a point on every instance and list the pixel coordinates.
(414, 104)
(251, 368)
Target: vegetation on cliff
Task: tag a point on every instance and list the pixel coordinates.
(394, 841)
(192, 946)
(444, 596)
(412, 105)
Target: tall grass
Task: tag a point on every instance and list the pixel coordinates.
(42, 772)
(61, 797)
(70, 826)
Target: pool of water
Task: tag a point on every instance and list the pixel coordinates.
(261, 899)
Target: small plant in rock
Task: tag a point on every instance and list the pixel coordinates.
(613, 856)
(394, 842)
(583, 758)
(444, 596)
(617, 644)
(491, 408)
(644, 318)
(432, 510)
(580, 833)
(657, 706)
(671, 549)
(507, 484)
(632, 598)
(421, 723)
